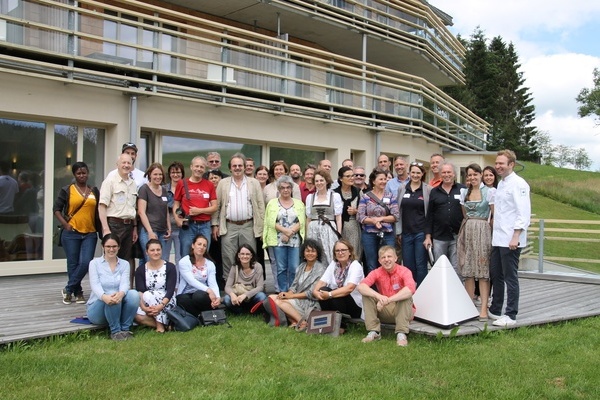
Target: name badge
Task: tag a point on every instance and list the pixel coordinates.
(205, 195)
(385, 200)
(395, 286)
(457, 197)
(406, 195)
(164, 198)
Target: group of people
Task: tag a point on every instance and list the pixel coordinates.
(317, 232)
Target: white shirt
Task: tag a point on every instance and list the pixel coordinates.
(355, 275)
(512, 210)
(240, 204)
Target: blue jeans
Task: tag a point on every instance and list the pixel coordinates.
(118, 317)
(186, 236)
(288, 259)
(371, 245)
(173, 241)
(246, 306)
(144, 238)
(79, 249)
(504, 267)
(414, 255)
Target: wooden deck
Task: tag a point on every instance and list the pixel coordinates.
(31, 306)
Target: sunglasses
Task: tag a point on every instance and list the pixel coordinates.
(359, 175)
(418, 164)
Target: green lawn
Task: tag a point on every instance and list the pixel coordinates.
(254, 361)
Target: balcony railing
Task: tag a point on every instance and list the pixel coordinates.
(169, 53)
(409, 23)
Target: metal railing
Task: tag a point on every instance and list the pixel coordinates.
(167, 53)
(539, 230)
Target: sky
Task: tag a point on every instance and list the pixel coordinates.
(558, 47)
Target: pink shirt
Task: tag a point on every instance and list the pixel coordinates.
(390, 283)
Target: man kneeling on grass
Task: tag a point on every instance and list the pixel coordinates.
(392, 302)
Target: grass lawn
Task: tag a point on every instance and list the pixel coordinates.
(254, 361)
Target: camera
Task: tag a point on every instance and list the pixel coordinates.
(181, 214)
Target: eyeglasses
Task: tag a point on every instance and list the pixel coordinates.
(341, 250)
(417, 164)
(214, 161)
(359, 175)
(175, 172)
(285, 188)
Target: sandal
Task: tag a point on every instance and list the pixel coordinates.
(301, 326)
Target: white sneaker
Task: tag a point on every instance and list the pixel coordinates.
(493, 316)
(371, 337)
(505, 321)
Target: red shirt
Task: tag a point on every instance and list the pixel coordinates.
(201, 194)
(390, 283)
(304, 191)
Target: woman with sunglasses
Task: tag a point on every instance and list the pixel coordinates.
(414, 200)
(112, 301)
(337, 289)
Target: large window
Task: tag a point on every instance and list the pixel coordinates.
(184, 149)
(22, 155)
(23, 158)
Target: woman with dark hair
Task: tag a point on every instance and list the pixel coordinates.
(245, 284)
(283, 231)
(351, 197)
(474, 243)
(414, 201)
(324, 213)
(198, 290)
(299, 301)
(262, 176)
(337, 289)
(377, 212)
(155, 281)
(153, 210)
(176, 173)
(215, 176)
(76, 208)
(490, 177)
(112, 302)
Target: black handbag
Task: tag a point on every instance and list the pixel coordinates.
(214, 317)
(182, 320)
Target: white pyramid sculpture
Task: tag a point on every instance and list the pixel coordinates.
(441, 299)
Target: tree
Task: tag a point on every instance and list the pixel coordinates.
(581, 160)
(495, 91)
(545, 148)
(590, 99)
(564, 155)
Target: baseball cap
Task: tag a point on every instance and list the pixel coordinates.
(129, 145)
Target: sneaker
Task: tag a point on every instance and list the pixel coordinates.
(79, 299)
(119, 336)
(493, 316)
(505, 321)
(128, 334)
(371, 337)
(401, 339)
(66, 297)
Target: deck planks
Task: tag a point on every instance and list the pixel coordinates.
(31, 306)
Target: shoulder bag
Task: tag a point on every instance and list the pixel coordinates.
(57, 238)
(182, 320)
(214, 317)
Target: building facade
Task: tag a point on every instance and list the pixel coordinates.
(293, 80)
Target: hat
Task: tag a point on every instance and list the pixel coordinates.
(129, 145)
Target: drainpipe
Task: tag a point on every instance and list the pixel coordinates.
(133, 119)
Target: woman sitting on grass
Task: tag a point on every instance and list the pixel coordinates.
(337, 288)
(245, 284)
(299, 301)
(112, 302)
(198, 290)
(155, 281)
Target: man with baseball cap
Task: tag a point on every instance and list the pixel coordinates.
(136, 174)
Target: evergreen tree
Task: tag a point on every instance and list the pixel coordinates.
(495, 91)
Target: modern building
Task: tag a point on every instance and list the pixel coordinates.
(294, 80)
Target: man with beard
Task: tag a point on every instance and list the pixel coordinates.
(296, 173)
